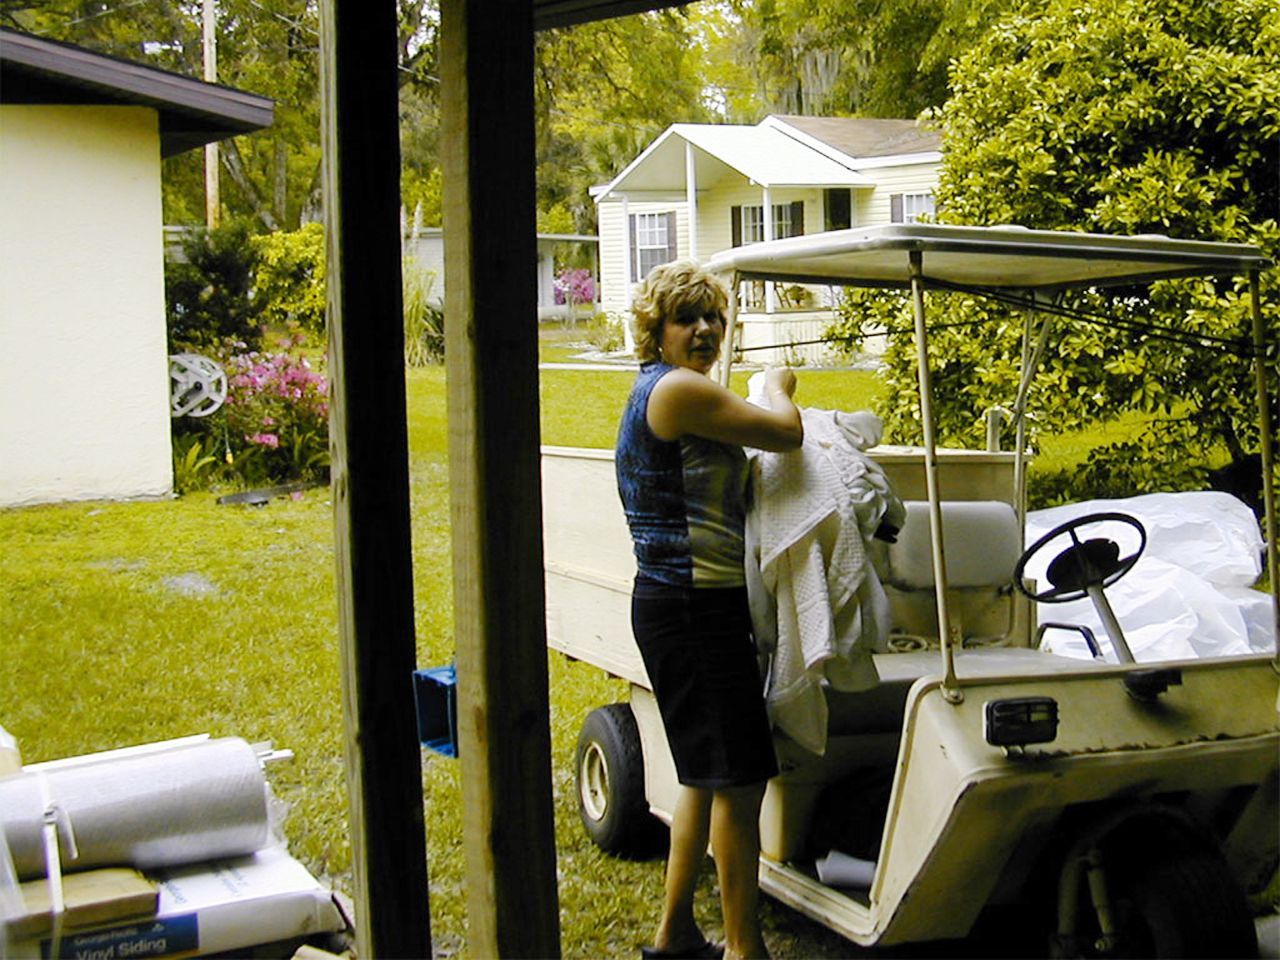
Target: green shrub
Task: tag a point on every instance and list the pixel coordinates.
(1123, 117)
(290, 279)
(209, 292)
(423, 317)
(1125, 468)
(604, 332)
(194, 462)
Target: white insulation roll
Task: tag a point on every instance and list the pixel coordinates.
(191, 802)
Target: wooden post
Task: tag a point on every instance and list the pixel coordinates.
(492, 368)
(370, 469)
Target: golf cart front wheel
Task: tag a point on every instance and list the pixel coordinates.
(1180, 903)
(610, 777)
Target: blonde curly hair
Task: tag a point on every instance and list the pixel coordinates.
(669, 287)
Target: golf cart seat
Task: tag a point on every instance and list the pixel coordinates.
(982, 543)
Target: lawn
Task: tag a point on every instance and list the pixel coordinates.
(132, 622)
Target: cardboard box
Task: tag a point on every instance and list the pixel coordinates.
(91, 898)
(213, 907)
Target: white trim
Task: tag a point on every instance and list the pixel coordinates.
(691, 197)
(644, 154)
(900, 160)
(770, 295)
(646, 196)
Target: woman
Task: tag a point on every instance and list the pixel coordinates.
(682, 476)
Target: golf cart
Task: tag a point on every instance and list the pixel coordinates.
(1131, 805)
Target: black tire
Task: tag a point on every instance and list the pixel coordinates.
(609, 772)
(1177, 897)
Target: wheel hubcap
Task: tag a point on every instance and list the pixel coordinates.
(593, 783)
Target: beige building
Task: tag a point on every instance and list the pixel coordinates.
(699, 189)
(84, 383)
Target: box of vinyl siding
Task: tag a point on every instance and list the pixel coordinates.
(215, 907)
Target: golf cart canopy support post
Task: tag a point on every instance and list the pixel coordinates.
(1265, 444)
(946, 637)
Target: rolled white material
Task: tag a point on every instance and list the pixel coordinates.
(192, 802)
(838, 869)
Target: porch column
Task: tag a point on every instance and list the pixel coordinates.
(495, 493)
(770, 297)
(691, 197)
(359, 129)
(628, 256)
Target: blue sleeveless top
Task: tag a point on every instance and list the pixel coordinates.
(685, 499)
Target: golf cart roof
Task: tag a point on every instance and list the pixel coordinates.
(1006, 257)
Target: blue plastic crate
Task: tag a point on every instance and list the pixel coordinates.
(435, 690)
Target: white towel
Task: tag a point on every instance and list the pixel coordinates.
(817, 604)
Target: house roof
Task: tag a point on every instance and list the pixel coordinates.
(562, 13)
(862, 137)
(780, 151)
(764, 155)
(192, 112)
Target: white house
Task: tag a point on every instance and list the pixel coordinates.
(84, 383)
(702, 188)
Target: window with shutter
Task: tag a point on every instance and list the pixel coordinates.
(911, 207)
(653, 242)
(748, 222)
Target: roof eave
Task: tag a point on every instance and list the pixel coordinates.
(192, 112)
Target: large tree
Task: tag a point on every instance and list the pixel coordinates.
(604, 91)
(1128, 117)
(877, 58)
(269, 47)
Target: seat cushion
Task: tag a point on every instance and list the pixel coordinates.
(981, 542)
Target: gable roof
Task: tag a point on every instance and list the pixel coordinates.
(777, 152)
(192, 112)
(862, 137)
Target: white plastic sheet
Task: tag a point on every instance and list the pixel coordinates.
(1188, 597)
(189, 802)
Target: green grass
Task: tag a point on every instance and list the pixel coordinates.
(131, 622)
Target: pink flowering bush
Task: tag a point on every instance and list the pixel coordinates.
(273, 427)
(277, 416)
(574, 287)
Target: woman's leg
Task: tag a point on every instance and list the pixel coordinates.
(690, 826)
(735, 841)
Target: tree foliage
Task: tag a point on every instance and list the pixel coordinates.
(269, 47)
(876, 58)
(603, 92)
(1127, 117)
(209, 291)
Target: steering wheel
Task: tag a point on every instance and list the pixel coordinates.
(1089, 563)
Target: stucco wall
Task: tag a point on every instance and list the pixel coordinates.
(84, 384)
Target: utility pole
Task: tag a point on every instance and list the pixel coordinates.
(211, 199)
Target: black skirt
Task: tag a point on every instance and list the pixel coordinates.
(701, 660)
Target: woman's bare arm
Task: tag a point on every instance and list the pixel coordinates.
(686, 402)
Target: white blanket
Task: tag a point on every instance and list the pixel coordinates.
(817, 605)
